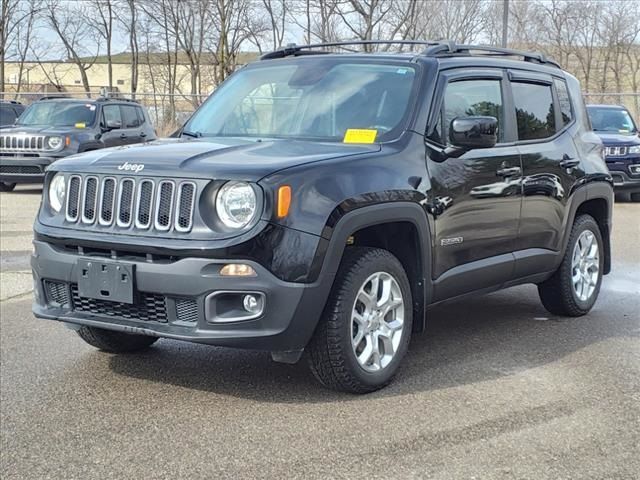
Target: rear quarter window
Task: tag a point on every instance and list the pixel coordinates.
(564, 101)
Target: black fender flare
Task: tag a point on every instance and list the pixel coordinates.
(591, 191)
(331, 251)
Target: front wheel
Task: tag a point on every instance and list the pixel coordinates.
(574, 287)
(7, 187)
(365, 328)
(115, 342)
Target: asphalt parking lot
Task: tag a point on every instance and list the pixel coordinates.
(497, 388)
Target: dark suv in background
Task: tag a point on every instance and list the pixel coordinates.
(621, 139)
(54, 128)
(320, 203)
(10, 110)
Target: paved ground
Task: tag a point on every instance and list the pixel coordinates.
(496, 389)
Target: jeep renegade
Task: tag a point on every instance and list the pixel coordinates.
(54, 128)
(621, 138)
(319, 203)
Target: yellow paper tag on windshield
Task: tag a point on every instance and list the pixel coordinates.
(358, 135)
(80, 125)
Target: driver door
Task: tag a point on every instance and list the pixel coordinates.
(477, 197)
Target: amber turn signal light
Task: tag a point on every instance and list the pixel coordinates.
(237, 270)
(284, 200)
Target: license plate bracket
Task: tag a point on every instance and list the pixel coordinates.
(106, 280)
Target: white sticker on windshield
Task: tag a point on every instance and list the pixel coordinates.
(401, 71)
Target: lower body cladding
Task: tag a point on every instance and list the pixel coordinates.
(187, 299)
(23, 169)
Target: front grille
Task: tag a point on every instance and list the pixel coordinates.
(56, 292)
(163, 204)
(616, 151)
(22, 143)
(21, 169)
(149, 308)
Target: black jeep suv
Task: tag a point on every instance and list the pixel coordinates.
(320, 203)
(621, 138)
(54, 128)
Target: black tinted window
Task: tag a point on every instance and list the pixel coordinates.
(564, 100)
(468, 98)
(7, 115)
(112, 116)
(129, 116)
(534, 111)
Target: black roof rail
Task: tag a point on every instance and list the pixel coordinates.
(434, 48)
(14, 102)
(452, 49)
(292, 49)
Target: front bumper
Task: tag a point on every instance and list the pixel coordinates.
(290, 315)
(623, 180)
(24, 169)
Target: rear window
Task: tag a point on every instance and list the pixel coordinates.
(535, 114)
(129, 116)
(7, 115)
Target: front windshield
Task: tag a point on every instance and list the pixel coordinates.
(318, 99)
(611, 120)
(58, 114)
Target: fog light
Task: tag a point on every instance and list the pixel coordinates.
(252, 304)
(237, 270)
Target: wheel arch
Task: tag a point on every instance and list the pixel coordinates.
(389, 226)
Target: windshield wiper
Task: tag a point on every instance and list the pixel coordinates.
(192, 134)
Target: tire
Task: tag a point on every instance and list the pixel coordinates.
(622, 197)
(115, 342)
(635, 197)
(7, 187)
(331, 356)
(558, 294)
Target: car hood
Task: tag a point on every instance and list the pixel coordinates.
(223, 158)
(39, 130)
(612, 139)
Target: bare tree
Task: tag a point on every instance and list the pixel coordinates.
(103, 23)
(74, 35)
(13, 14)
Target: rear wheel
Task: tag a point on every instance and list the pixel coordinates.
(364, 332)
(574, 287)
(115, 342)
(7, 187)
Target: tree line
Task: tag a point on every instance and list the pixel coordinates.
(598, 41)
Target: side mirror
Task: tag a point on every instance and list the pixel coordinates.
(112, 125)
(473, 132)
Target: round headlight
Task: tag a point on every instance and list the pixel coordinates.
(635, 149)
(54, 142)
(236, 204)
(57, 190)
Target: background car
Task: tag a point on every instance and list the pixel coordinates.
(619, 133)
(54, 128)
(10, 110)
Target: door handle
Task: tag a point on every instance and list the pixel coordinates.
(123, 136)
(509, 172)
(568, 162)
(142, 134)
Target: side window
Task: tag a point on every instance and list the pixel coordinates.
(535, 114)
(112, 116)
(129, 116)
(564, 101)
(468, 98)
(140, 113)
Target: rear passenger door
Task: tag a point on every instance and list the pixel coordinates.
(544, 118)
(112, 119)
